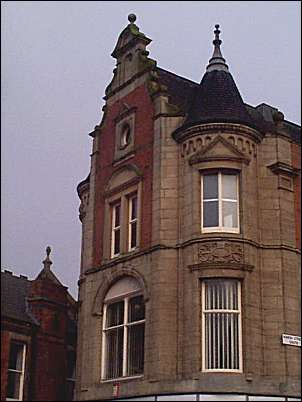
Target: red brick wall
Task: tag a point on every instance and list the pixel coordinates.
(48, 302)
(5, 340)
(296, 160)
(50, 369)
(143, 158)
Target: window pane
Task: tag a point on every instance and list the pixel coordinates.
(210, 186)
(210, 214)
(117, 241)
(117, 210)
(133, 208)
(133, 235)
(115, 314)
(229, 214)
(16, 356)
(221, 329)
(114, 352)
(229, 186)
(136, 349)
(13, 385)
(136, 309)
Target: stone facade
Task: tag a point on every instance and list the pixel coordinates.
(164, 164)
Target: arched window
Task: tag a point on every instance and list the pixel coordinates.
(123, 330)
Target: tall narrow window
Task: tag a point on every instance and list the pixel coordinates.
(116, 230)
(132, 233)
(16, 369)
(221, 325)
(220, 207)
(123, 331)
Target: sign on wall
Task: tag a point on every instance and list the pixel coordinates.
(292, 340)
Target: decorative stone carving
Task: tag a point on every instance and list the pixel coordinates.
(218, 149)
(218, 145)
(220, 252)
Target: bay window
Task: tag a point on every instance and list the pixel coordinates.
(221, 325)
(220, 202)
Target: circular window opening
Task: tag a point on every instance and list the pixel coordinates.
(125, 136)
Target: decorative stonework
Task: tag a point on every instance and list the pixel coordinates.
(219, 149)
(285, 174)
(220, 252)
(238, 145)
(230, 129)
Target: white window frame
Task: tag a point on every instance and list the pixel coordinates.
(124, 200)
(132, 221)
(21, 372)
(114, 228)
(125, 298)
(220, 227)
(203, 324)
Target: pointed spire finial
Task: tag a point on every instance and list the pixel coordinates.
(47, 262)
(131, 18)
(217, 62)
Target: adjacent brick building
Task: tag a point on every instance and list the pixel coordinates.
(38, 337)
(190, 217)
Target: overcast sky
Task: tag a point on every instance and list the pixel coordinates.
(55, 66)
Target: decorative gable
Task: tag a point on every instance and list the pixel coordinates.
(219, 150)
(131, 56)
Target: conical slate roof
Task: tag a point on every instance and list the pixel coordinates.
(217, 99)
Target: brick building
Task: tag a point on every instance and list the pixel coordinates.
(38, 337)
(190, 239)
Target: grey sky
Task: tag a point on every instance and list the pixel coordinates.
(56, 64)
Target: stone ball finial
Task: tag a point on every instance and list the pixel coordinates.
(48, 251)
(131, 18)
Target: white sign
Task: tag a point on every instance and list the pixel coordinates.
(291, 340)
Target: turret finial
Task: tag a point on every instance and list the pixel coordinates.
(47, 262)
(217, 62)
(131, 18)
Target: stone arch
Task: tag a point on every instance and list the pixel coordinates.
(110, 279)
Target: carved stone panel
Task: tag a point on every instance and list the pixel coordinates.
(220, 252)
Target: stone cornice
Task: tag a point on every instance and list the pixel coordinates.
(181, 136)
(221, 265)
(284, 168)
(121, 259)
